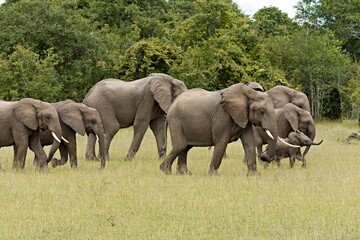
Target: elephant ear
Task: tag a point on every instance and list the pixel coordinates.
(71, 115)
(25, 112)
(161, 88)
(234, 102)
(292, 115)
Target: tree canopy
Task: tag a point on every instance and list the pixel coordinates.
(58, 49)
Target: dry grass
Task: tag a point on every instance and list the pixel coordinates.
(134, 200)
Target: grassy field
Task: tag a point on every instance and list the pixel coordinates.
(134, 200)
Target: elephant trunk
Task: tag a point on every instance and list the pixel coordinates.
(311, 132)
(55, 146)
(272, 142)
(100, 135)
(316, 144)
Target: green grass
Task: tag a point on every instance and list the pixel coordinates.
(134, 200)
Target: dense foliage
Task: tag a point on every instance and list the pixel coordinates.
(58, 49)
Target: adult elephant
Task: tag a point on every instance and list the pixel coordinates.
(20, 126)
(290, 118)
(74, 118)
(140, 103)
(203, 118)
(281, 95)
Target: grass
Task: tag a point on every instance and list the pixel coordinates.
(134, 200)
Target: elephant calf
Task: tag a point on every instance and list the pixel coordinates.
(297, 139)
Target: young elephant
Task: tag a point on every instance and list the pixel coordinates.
(284, 151)
(20, 126)
(74, 118)
(201, 118)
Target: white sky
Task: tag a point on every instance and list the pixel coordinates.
(249, 7)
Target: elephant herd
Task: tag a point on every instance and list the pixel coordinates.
(279, 118)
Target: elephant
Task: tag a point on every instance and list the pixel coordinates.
(20, 125)
(281, 95)
(290, 118)
(297, 139)
(74, 118)
(203, 118)
(140, 103)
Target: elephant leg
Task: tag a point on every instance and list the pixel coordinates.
(63, 156)
(303, 161)
(72, 151)
(157, 126)
(139, 132)
(90, 147)
(35, 146)
(19, 157)
(247, 140)
(292, 161)
(182, 162)
(219, 150)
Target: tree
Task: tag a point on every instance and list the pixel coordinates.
(271, 21)
(25, 74)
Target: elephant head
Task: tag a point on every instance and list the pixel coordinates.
(83, 120)
(300, 139)
(282, 95)
(35, 114)
(296, 119)
(165, 89)
(246, 105)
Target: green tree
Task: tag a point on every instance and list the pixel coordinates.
(312, 61)
(25, 74)
(271, 21)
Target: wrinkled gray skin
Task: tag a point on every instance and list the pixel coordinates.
(282, 95)
(290, 118)
(74, 118)
(203, 118)
(20, 125)
(140, 103)
(284, 151)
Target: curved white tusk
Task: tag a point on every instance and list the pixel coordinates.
(97, 138)
(269, 134)
(54, 136)
(64, 139)
(288, 144)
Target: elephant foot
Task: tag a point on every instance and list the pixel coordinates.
(253, 173)
(166, 168)
(213, 172)
(90, 157)
(182, 170)
(129, 157)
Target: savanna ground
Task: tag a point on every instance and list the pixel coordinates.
(134, 200)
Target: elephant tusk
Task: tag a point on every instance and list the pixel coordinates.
(269, 134)
(54, 136)
(64, 139)
(288, 144)
(96, 136)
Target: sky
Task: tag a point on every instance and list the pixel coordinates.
(249, 7)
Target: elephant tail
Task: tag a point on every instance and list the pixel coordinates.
(163, 148)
